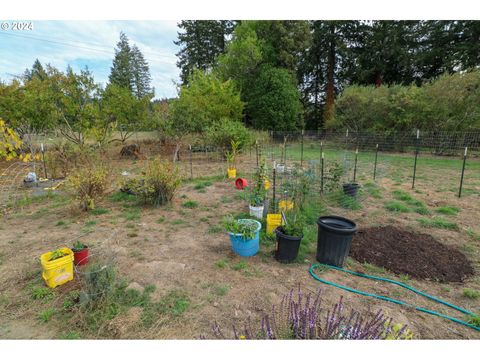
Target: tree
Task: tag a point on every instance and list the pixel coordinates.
(37, 71)
(201, 42)
(274, 101)
(77, 100)
(121, 72)
(205, 100)
(124, 111)
(141, 75)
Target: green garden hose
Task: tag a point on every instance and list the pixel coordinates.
(395, 301)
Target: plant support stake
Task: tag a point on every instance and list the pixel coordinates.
(463, 171)
(301, 153)
(355, 166)
(321, 174)
(43, 160)
(415, 162)
(191, 162)
(375, 164)
(274, 187)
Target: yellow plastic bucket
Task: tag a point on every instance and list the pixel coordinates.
(284, 205)
(232, 173)
(273, 221)
(59, 271)
(267, 184)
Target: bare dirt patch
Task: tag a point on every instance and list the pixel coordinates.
(404, 252)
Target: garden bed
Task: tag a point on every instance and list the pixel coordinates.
(403, 252)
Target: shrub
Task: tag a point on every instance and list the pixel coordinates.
(223, 132)
(88, 184)
(161, 181)
(298, 317)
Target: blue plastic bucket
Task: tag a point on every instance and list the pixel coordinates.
(246, 247)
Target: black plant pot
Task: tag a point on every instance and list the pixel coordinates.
(335, 235)
(351, 189)
(287, 246)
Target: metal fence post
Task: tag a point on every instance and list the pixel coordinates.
(301, 152)
(191, 162)
(375, 164)
(322, 162)
(463, 171)
(355, 166)
(415, 162)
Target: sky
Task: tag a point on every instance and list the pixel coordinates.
(92, 44)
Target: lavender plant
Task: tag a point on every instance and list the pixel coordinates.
(300, 317)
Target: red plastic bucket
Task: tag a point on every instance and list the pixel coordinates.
(80, 257)
(241, 183)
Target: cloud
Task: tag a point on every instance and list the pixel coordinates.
(92, 43)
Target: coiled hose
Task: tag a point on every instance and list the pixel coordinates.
(395, 301)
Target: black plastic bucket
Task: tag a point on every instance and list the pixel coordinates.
(335, 235)
(351, 189)
(287, 246)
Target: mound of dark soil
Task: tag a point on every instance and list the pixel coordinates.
(404, 252)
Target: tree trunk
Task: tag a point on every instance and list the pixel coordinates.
(330, 99)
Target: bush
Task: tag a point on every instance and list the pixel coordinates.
(88, 184)
(222, 132)
(161, 181)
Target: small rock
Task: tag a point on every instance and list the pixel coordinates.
(215, 304)
(135, 286)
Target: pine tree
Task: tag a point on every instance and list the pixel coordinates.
(37, 71)
(121, 73)
(201, 42)
(141, 74)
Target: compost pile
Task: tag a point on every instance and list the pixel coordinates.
(404, 252)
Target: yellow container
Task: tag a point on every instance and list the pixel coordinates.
(284, 205)
(59, 271)
(273, 221)
(232, 173)
(267, 184)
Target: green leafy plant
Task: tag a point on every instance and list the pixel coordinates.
(244, 227)
(295, 223)
(232, 154)
(46, 315)
(57, 254)
(471, 293)
(79, 246)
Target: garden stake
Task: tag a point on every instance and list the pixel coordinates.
(301, 153)
(191, 162)
(416, 156)
(375, 164)
(321, 174)
(274, 187)
(43, 160)
(256, 150)
(463, 171)
(355, 166)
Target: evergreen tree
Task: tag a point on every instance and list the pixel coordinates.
(141, 74)
(130, 70)
(201, 42)
(37, 71)
(122, 70)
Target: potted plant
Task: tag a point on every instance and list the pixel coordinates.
(258, 193)
(57, 267)
(289, 235)
(257, 203)
(244, 235)
(80, 253)
(231, 159)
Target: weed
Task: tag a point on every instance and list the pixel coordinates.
(226, 199)
(183, 196)
(121, 196)
(471, 294)
(474, 320)
(241, 265)
(405, 278)
(71, 335)
(42, 293)
(438, 223)
(190, 204)
(172, 305)
(90, 223)
(221, 289)
(99, 211)
(221, 264)
(473, 234)
(60, 223)
(178, 222)
(46, 315)
(402, 195)
(132, 234)
(422, 210)
(373, 268)
(215, 229)
(349, 202)
(396, 206)
(448, 210)
(130, 226)
(132, 214)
